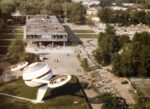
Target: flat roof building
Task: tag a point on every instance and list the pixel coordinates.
(44, 29)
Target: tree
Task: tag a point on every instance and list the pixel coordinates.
(107, 44)
(110, 101)
(28, 7)
(16, 53)
(134, 60)
(137, 16)
(123, 39)
(2, 24)
(119, 2)
(105, 2)
(56, 9)
(30, 57)
(120, 16)
(85, 64)
(147, 4)
(67, 6)
(17, 48)
(98, 56)
(147, 18)
(116, 65)
(106, 15)
(7, 6)
(77, 14)
(102, 54)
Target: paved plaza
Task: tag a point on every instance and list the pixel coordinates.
(64, 60)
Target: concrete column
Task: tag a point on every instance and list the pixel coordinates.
(39, 43)
(41, 92)
(52, 44)
(24, 35)
(64, 44)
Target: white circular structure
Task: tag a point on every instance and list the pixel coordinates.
(37, 70)
(19, 66)
(59, 81)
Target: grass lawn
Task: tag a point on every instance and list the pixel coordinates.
(9, 33)
(83, 31)
(59, 98)
(13, 34)
(12, 30)
(87, 35)
(10, 36)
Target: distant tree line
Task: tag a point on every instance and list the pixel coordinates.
(62, 8)
(128, 58)
(127, 17)
(144, 2)
(6, 8)
(75, 12)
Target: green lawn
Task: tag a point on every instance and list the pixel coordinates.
(10, 36)
(9, 33)
(83, 31)
(59, 98)
(12, 30)
(13, 34)
(87, 35)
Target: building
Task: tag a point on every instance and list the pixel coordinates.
(88, 3)
(118, 8)
(18, 17)
(128, 4)
(91, 13)
(44, 30)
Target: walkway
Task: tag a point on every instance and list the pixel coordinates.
(107, 81)
(26, 99)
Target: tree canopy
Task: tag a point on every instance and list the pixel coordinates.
(107, 44)
(111, 101)
(134, 60)
(128, 58)
(127, 17)
(16, 53)
(61, 8)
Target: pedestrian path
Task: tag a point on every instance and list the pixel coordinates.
(26, 99)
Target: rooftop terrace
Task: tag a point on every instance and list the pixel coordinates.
(43, 25)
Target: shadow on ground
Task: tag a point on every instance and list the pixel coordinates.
(73, 39)
(72, 88)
